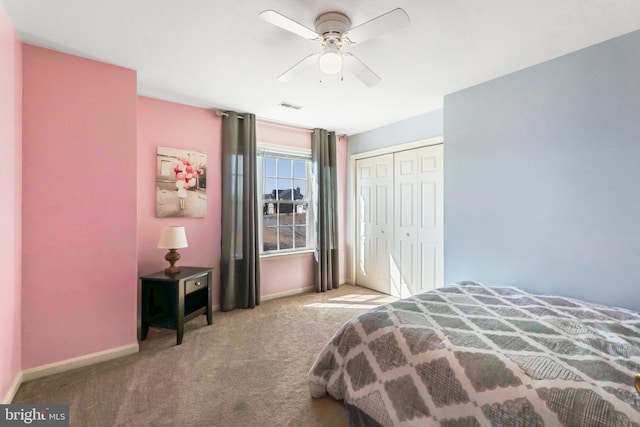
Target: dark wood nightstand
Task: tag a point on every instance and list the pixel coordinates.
(171, 301)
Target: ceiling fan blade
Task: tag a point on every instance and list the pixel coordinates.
(361, 71)
(302, 65)
(390, 21)
(288, 24)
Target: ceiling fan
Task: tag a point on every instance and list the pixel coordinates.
(333, 30)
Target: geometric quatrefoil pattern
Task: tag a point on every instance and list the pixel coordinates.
(475, 355)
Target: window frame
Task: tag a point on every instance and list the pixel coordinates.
(287, 153)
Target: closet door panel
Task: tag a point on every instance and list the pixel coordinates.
(405, 252)
(430, 226)
(374, 214)
(366, 242)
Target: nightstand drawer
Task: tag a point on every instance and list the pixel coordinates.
(193, 285)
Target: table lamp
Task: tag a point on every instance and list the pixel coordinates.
(172, 238)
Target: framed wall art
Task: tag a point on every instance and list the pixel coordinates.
(181, 183)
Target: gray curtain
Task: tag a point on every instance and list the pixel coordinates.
(323, 152)
(240, 257)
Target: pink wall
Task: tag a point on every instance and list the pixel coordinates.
(10, 198)
(269, 133)
(166, 124)
(79, 217)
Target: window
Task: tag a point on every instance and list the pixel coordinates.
(285, 188)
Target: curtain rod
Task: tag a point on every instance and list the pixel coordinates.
(261, 120)
(223, 114)
(269, 122)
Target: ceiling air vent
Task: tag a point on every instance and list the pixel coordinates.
(286, 104)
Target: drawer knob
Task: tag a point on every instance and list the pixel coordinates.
(197, 283)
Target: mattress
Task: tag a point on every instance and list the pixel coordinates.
(476, 355)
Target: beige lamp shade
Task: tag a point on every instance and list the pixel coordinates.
(172, 238)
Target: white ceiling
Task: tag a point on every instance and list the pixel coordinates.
(219, 54)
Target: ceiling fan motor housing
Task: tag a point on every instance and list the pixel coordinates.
(332, 25)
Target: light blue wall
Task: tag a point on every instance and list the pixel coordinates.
(542, 177)
(416, 128)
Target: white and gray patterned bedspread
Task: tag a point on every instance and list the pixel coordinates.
(473, 355)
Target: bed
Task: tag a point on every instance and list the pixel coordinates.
(474, 355)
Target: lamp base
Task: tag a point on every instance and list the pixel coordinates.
(172, 256)
(170, 271)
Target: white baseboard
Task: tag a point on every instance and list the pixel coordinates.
(78, 362)
(282, 294)
(294, 292)
(286, 293)
(11, 393)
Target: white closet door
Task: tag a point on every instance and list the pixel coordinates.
(399, 221)
(405, 270)
(374, 182)
(417, 257)
(430, 227)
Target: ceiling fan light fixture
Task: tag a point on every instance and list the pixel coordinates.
(331, 62)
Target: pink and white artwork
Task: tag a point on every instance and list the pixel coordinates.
(181, 183)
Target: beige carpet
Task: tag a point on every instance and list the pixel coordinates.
(247, 369)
